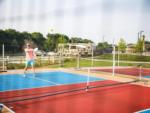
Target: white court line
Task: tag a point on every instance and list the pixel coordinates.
(44, 80)
(143, 110)
(39, 78)
(8, 109)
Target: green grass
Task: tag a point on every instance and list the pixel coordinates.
(125, 57)
(83, 63)
(15, 66)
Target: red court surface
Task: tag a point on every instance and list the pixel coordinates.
(124, 98)
(127, 71)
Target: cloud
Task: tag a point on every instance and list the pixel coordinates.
(87, 18)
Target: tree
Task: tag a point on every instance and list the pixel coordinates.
(38, 39)
(3, 37)
(87, 41)
(79, 40)
(122, 45)
(26, 37)
(76, 40)
(13, 41)
(63, 39)
(103, 45)
(53, 40)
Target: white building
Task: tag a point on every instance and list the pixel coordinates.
(73, 49)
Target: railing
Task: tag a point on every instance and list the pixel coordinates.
(39, 59)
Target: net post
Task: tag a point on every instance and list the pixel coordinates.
(78, 58)
(88, 79)
(140, 72)
(118, 57)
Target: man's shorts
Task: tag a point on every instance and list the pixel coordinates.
(29, 62)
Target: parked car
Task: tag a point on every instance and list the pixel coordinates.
(40, 53)
(51, 53)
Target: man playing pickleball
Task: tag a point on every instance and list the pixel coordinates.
(30, 58)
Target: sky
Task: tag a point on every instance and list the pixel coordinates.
(98, 20)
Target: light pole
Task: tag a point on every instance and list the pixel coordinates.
(140, 34)
(143, 43)
(78, 57)
(143, 39)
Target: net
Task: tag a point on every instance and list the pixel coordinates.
(48, 94)
(125, 68)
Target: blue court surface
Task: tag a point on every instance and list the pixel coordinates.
(11, 82)
(146, 76)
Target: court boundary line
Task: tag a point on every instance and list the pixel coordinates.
(11, 111)
(24, 89)
(21, 73)
(142, 110)
(36, 78)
